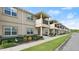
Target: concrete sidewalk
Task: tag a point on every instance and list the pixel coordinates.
(30, 44)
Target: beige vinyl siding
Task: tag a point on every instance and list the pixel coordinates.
(20, 21)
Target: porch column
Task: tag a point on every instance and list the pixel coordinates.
(41, 31)
(49, 26)
(41, 34)
(48, 31)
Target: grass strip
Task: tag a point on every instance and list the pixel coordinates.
(48, 46)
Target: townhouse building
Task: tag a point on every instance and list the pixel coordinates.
(15, 21)
(42, 23)
(57, 28)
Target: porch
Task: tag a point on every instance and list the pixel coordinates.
(43, 31)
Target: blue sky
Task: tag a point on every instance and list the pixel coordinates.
(68, 16)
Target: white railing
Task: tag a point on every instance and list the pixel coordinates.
(39, 22)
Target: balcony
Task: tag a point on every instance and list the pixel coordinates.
(41, 22)
(45, 21)
(54, 26)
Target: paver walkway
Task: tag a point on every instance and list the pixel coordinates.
(72, 44)
(27, 45)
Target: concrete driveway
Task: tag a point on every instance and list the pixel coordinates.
(72, 44)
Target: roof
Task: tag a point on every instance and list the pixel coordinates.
(53, 21)
(44, 15)
(24, 10)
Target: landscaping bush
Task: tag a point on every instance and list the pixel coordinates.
(0, 42)
(36, 37)
(29, 38)
(12, 41)
(4, 41)
(32, 38)
(0, 39)
(6, 45)
(19, 39)
(25, 38)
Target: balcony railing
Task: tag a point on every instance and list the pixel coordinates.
(45, 22)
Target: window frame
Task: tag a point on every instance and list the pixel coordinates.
(30, 30)
(29, 16)
(11, 10)
(10, 27)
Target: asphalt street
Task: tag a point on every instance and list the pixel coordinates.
(72, 44)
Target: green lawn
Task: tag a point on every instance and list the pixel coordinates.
(48, 46)
(74, 30)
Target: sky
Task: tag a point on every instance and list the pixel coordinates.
(68, 16)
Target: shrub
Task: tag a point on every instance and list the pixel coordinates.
(6, 45)
(19, 39)
(0, 42)
(25, 38)
(11, 41)
(29, 38)
(4, 41)
(34, 37)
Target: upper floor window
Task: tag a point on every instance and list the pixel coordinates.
(51, 22)
(29, 16)
(56, 25)
(10, 11)
(45, 22)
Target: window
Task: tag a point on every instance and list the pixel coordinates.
(10, 11)
(29, 31)
(29, 16)
(51, 22)
(14, 32)
(7, 11)
(7, 31)
(45, 22)
(10, 30)
(56, 25)
(14, 12)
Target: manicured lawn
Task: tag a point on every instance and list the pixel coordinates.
(74, 30)
(48, 46)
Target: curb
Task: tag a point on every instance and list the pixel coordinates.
(62, 45)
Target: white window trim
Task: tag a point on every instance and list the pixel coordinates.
(10, 11)
(29, 30)
(10, 31)
(29, 15)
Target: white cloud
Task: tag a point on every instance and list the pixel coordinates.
(71, 21)
(54, 12)
(70, 16)
(72, 24)
(66, 8)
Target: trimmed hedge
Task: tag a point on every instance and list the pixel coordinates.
(32, 38)
(6, 45)
(12, 41)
